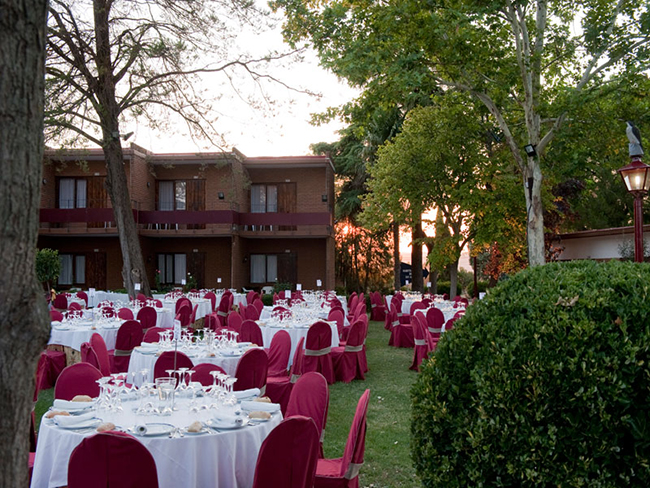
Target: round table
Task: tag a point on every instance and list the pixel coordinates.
(226, 458)
(74, 335)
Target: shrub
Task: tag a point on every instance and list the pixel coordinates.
(48, 266)
(482, 287)
(545, 382)
(443, 287)
(267, 299)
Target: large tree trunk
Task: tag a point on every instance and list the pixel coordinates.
(416, 256)
(453, 273)
(24, 324)
(535, 212)
(133, 270)
(396, 258)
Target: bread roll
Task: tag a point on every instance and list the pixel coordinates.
(257, 414)
(82, 398)
(54, 413)
(195, 427)
(263, 399)
(106, 426)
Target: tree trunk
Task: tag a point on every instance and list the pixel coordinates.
(133, 269)
(434, 282)
(535, 230)
(396, 258)
(453, 274)
(416, 256)
(23, 316)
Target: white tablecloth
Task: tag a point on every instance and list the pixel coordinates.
(224, 459)
(204, 307)
(78, 334)
(268, 331)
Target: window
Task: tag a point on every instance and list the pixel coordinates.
(172, 195)
(73, 269)
(173, 268)
(72, 192)
(264, 268)
(264, 198)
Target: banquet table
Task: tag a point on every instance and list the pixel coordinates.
(73, 335)
(204, 306)
(223, 457)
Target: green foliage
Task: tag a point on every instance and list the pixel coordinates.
(48, 266)
(444, 287)
(545, 382)
(465, 278)
(278, 287)
(482, 287)
(267, 299)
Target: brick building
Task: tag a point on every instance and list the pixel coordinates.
(229, 220)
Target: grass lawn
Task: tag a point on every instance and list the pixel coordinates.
(387, 457)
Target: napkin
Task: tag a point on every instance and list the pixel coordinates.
(140, 429)
(251, 392)
(71, 406)
(227, 420)
(73, 420)
(264, 407)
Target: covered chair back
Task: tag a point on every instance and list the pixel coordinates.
(349, 361)
(147, 316)
(60, 302)
(435, 321)
(166, 361)
(296, 365)
(338, 316)
(288, 456)
(153, 334)
(258, 304)
(125, 313)
(251, 313)
(77, 379)
(310, 397)
(202, 373)
(99, 346)
(111, 460)
(74, 306)
(88, 354)
(250, 296)
(251, 332)
(213, 300)
(424, 343)
(234, 321)
(416, 306)
(55, 315)
(251, 370)
(224, 307)
(183, 316)
(279, 353)
(84, 296)
(181, 302)
(211, 322)
(129, 336)
(318, 348)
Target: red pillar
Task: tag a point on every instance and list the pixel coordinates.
(638, 228)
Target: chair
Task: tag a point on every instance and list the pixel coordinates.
(310, 397)
(250, 296)
(74, 306)
(213, 300)
(435, 321)
(279, 353)
(153, 334)
(259, 305)
(84, 296)
(129, 336)
(318, 349)
(148, 317)
(344, 471)
(347, 361)
(202, 373)
(56, 316)
(125, 313)
(278, 388)
(251, 313)
(166, 361)
(182, 301)
(211, 322)
(424, 343)
(77, 379)
(50, 365)
(251, 332)
(234, 321)
(378, 309)
(111, 459)
(288, 455)
(88, 355)
(224, 307)
(99, 346)
(450, 323)
(401, 334)
(251, 371)
(338, 316)
(60, 302)
(183, 315)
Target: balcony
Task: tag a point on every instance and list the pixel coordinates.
(100, 221)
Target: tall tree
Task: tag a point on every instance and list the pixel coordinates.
(23, 316)
(523, 60)
(139, 59)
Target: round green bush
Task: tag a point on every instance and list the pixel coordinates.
(545, 382)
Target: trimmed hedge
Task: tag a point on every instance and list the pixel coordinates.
(545, 382)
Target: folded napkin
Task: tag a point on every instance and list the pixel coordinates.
(226, 420)
(242, 345)
(71, 421)
(251, 392)
(149, 346)
(71, 406)
(264, 407)
(231, 352)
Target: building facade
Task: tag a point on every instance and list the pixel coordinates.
(228, 220)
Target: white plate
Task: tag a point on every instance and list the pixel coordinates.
(227, 424)
(84, 424)
(157, 429)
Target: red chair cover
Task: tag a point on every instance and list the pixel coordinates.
(182, 301)
(251, 370)
(99, 346)
(184, 314)
(147, 316)
(193, 314)
(279, 353)
(50, 365)
(450, 323)
(251, 313)
(311, 397)
(84, 296)
(125, 314)
(129, 336)
(202, 373)
(224, 307)
(251, 332)
(435, 321)
(288, 456)
(347, 361)
(234, 321)
(259, 305)
(339, 317)
(111, 459)
(166, 361)
(211, 322)
(318, 348)
(108, 312)
(153, 334)
(401, 335)
(60, 302)
(344, 471)
(378, 308)
(250, 296)
(423, 342)
(278, 389)
(55, 315)
(88, 355)
(281, 312)
(77, 379)
(213, 299)
(74, 306)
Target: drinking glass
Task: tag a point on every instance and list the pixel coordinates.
(165, 388)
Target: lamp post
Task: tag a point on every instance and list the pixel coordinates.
(637, 181)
